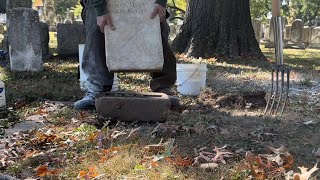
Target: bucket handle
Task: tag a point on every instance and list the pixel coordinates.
(189, 77)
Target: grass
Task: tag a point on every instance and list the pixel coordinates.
(75, 148)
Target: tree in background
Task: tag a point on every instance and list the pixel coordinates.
(61, 6)
(307, 10)
(217, 27)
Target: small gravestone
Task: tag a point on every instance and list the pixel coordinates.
(24, 40)
(287, 34)
(315, 38)
(271, 43)
(59, 18)
(296, 34)
(136, 44)
(306, 35)
(69, 37)
(256, 23)
(14, 4)
(44, 36)
(18, 3)
(71, 15)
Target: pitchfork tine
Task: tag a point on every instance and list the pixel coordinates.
(276, 91)
(287, 93)
(281, 91)
(271, 91)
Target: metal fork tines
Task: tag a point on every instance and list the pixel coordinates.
(278, 95)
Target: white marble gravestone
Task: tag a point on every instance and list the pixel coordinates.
(136, 43)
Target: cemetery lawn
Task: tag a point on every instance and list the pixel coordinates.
(70, 144)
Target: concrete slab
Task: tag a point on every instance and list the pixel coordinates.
(148, 107)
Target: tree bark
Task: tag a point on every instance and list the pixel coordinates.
(217, 28)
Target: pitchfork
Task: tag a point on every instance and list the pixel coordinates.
(280, 73)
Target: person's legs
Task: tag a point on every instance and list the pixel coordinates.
(94, 61)
(167, 77)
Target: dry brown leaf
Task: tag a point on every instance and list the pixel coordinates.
(43, 170)
(179, 161)
(305, 174)
(221, 154)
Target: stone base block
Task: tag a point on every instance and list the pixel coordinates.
(149, 107)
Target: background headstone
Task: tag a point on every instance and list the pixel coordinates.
(315, 38)
(296, 31)
(44, 36)
(257, 26)
(271, 43)
(14, 4)
(306, 35)
(69, 37)
(18, 3)
(287, 34)
(136, 45)
(58, 18)
(24, 40)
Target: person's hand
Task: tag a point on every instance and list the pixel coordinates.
(159, 10)
(103, 21)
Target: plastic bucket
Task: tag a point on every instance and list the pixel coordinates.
(191, 78)
(83, 77)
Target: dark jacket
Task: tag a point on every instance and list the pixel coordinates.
(100, 5)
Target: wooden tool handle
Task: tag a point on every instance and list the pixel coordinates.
(276, 8)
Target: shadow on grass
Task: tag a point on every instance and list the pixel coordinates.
(58, 82)
(299, 60)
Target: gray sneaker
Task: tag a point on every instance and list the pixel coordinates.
(86, 103)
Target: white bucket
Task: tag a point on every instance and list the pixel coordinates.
(191, 78)
(83, 77)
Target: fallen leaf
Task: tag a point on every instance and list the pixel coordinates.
(305, 174)
(179, 161)
(43, 170)
(209, 165)
(221, 154)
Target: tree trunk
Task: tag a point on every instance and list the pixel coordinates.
(217, 28)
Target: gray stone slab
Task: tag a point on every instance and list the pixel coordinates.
(18, 3)
(315, 38)
(69, 37)
(44, 36)
(24, 40)
(134, 106)
(296, 31)
(136, 43)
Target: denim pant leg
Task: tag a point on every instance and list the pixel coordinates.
(94, 56)
(168, 76)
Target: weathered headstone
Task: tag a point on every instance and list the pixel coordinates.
(287, 34)
(44, 36)
(69, 37)
(71, 15)
(136, 43)
(296, 33)
(14, 4)
(18, 3)
(315, 38)
(58, 18)
(306, 35)
(24, 40)
(256, 23)
(271, 43)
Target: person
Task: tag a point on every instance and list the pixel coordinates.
(95, 18)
